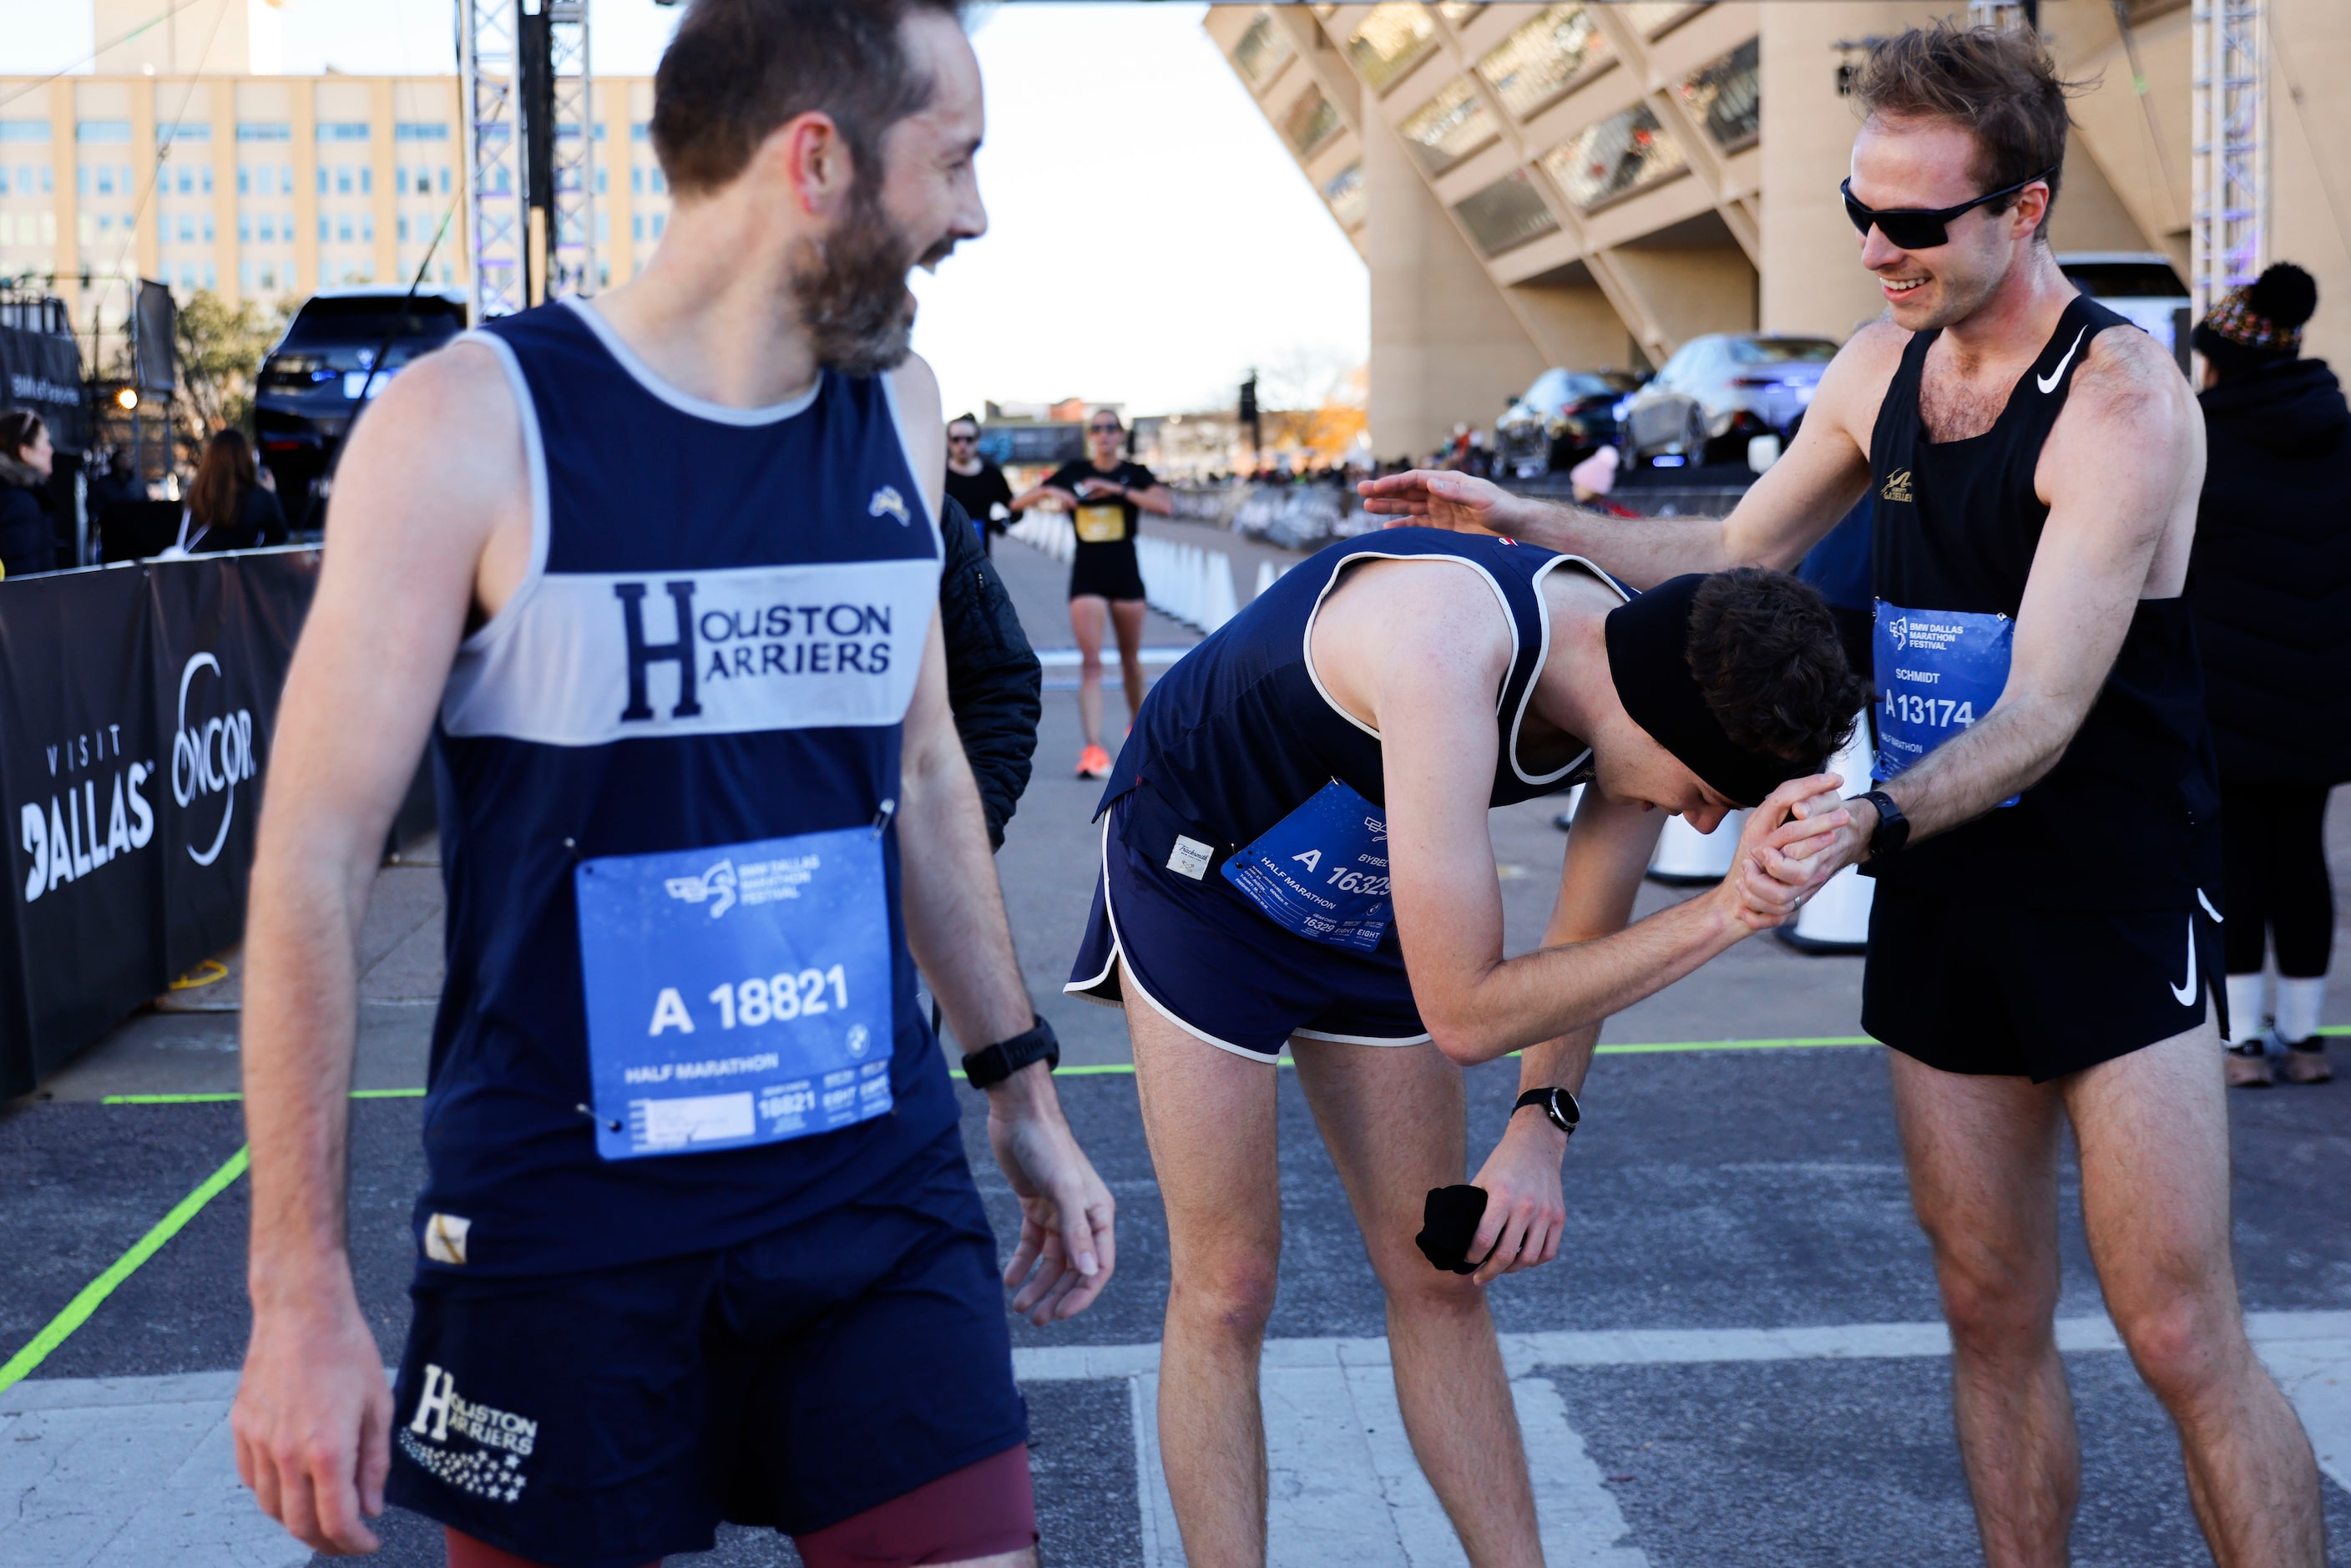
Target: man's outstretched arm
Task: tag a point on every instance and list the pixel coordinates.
(417, 497)
(1439, 747)
(1782, 514)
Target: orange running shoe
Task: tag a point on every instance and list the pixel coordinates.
(1094, 762)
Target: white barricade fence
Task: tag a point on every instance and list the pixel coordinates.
(1268, 574)
(1836, 919)
(1686, 857)
(1186, 583)
(1051, 532)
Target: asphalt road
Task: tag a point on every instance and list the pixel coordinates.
(1713, 1194)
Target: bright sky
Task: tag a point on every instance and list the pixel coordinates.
(1151, 238)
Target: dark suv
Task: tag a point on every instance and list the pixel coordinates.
(310, 382)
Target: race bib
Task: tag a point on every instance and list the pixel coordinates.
(736, 996)
(1103, 524)
(1322, 870)
(1938, 671)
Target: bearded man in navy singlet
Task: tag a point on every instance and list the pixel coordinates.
(658, 575)
(2043, 943)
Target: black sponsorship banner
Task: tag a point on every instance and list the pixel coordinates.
(136, 707)
(42, 371)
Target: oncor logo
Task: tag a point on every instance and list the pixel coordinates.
(210, 758)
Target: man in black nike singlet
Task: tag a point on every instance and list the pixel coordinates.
(2043, 829)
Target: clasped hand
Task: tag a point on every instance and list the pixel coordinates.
(1792, 843)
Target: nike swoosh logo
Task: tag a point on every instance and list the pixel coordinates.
(2185, 995)
(2048, 383)
(2218, 919)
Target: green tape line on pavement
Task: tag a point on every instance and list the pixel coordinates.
(230, 1099)
(78, 1310)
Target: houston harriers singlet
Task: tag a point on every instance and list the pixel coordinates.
(684, 720)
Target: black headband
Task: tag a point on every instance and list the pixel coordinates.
(1648, 657)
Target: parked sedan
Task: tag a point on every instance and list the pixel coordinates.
(1718, 391)
(1561, 420)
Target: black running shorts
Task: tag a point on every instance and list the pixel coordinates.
(1110, 571)
(2034, 993)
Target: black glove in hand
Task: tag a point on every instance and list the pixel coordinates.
(1448, 1224)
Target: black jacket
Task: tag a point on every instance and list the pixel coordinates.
(27, 543)
(2271, 582)
(995, 684)
(259, 521)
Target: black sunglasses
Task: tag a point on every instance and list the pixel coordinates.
(1922, 228)
(1106, 430)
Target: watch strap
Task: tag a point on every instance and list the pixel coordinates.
(1893, 830)
(991, 1065)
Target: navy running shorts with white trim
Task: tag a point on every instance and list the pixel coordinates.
(2033, 993)
(1211, 962)
(608, 1419)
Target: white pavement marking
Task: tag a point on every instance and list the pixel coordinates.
(126, 1472)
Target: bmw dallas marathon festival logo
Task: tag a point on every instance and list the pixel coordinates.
(210, 756)
(1900, 630)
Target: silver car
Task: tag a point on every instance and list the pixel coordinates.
(1717, 392)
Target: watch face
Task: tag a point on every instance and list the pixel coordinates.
(1563, 1110)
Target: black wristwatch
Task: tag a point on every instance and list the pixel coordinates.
(987, 1069)
(1558, 1104)
(1893, 829)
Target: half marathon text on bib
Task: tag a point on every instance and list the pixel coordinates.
(1938, 671)
(1322, 870)
(739, 995)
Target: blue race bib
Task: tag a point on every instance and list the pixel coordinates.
(739, 995)
(1938, 671)
(1322, 870)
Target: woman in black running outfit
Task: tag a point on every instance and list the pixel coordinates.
(1104, 495)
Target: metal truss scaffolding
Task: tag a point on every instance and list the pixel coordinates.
(2230, 240)
(489, 61)
(571, 191)
(531, 220)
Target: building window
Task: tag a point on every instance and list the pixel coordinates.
(244, 231)
(1309, 122)
(415, 130)
(1262, 51)
(187, 228)
(104, 180)
(637, 180)
(1509, 212)
(1347, 195)
(103, 132)
(322, 179)
(1620, 155)
(659, 224)
(208, 228)
(367, 228)
(1536, 64)
(400, 228)
(600, 180)
(208, 180)
(367, 181)
(1727, 95)
(342, 179)
(444, 182)
(244, 277)
(212, 274)
(24, 131)
(1448, 127)
(263, 130)
(1389, 42)
(603, 228)
(637, 227)
(343, 228)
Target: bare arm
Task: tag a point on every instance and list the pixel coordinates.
(1435, 709)
(1156, 499)
(1526, 1204)
(1038, 495)
(1782, 514)
(426, 480)
(2120, 471)
(956, 927)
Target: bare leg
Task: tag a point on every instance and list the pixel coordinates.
(1209, 1119)
(1126, 616)
(1394, 1119)
(1982, 1153)
(2154, 1133)
(1086, 612)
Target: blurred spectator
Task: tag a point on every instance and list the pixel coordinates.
(977, 483)
(994, 681)
(228, 507)
(28, 540)
(2271, 594)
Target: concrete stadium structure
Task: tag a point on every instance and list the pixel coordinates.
(1591, 186)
